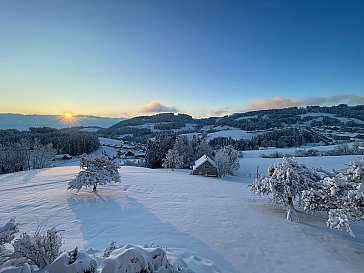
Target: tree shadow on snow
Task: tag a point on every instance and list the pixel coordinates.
(104, 219)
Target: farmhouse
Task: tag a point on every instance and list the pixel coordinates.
(205, 166)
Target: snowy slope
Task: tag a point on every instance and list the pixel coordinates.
(233, 133)
(320, 115)
(200, 219)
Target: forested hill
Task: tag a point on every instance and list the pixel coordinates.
(145, 127)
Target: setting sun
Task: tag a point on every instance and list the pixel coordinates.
(68, 115)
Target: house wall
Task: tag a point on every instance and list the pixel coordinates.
(206, 169)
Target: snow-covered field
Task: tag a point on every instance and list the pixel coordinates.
(215, 225)
(233, 133)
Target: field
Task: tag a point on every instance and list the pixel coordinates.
(214, 225)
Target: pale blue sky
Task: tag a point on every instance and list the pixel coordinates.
(125, 58)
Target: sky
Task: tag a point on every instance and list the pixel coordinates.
(203, 58)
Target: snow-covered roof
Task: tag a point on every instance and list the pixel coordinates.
(61, 156)
(202, 160)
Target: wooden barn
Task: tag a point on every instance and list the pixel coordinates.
(205, 166)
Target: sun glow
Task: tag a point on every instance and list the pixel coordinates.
(68, 115)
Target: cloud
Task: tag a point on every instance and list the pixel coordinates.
(275, 102)
(220, 112)
(282, 102)
(156, 107)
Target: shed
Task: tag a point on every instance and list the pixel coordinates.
(205, 166)
(62, 157)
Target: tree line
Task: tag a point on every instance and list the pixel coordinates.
(279, 138)
(169, 150)
(64, 141)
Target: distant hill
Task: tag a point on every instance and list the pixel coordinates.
(24, 122)
(142, 128)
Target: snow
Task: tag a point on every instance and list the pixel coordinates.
(246, 117)
(233, 133)
(287, 151)
(110, 141)
(347, 134)
(213, 225)
(82, 264)
(109, 147)
(146, 126)
(90, 129)
(320, 115)
(151, 126)
(120, 260)
(188, 127)
(206, 128)
(191, 135)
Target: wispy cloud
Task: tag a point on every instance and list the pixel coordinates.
(156, 107)
(275, 102)
(221, 112)
(282, 102)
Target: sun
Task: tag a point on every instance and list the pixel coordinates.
(68, 115)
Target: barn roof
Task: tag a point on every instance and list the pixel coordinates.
(202, 160)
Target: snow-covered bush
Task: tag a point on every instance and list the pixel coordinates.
(73, 262)
(227, 161)
(40, 249)
(136, 259)
(7, 232)
(95, 170)
(342, 196)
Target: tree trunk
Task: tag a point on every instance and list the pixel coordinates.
(94, 188)
(291, 211)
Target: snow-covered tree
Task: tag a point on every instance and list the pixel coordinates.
(173, 160)
(285, 181)
(227, 161)
(341, 196)
(40, 249)
(95, 170)
(41, 155)
(184, 148)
